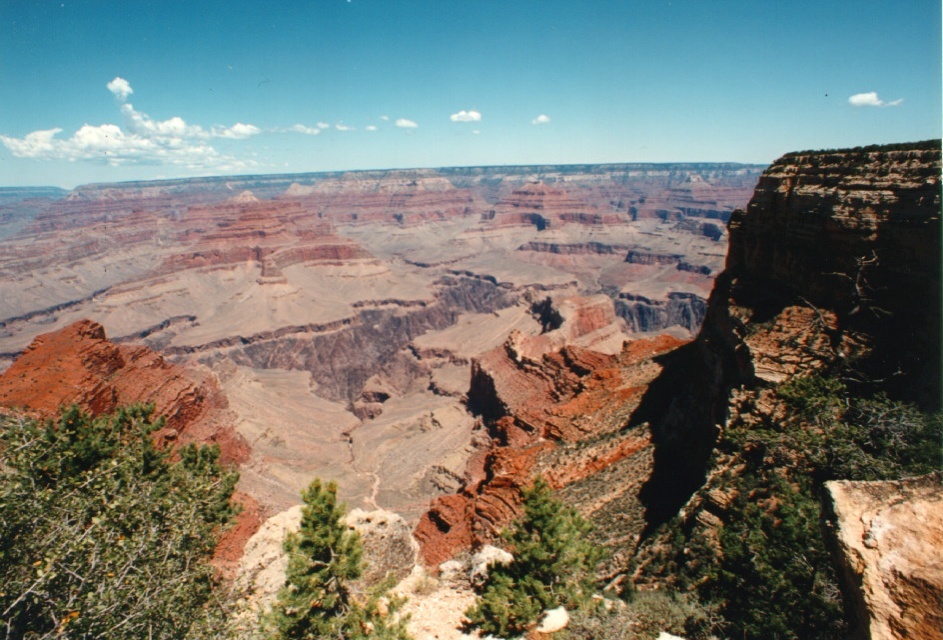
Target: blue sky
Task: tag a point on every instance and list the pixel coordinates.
(99, 90)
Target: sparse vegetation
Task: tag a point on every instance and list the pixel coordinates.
(644, 617)
(101, 534)
(553, 565)
(324, 558)
(768, 572)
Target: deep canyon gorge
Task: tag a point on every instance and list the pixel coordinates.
(436, 339)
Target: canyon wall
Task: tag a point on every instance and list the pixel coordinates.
(343, 314)
(79, 366)
(833, 266)
(833, 269)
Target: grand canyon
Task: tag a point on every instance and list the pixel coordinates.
(435, 339)
(342, 315)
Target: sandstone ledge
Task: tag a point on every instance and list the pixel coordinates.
(887, 538)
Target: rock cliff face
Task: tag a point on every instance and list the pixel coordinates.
(888, 537)
(78, 365)
(556, 410)
(809, 286)
(833, 266)
(853, 233)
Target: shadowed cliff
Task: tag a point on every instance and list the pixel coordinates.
(833, 268)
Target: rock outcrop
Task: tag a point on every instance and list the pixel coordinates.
(555, 411)
(389, 549)
(79, 365)
(834, 266)
(854, 233)
(887, 539)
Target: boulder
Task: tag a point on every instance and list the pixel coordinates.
(887, 540)
(553, 620)
(484, 559)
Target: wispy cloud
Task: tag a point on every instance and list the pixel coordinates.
(385, 118)
(143, 140)
(541, 119)
(406, 124)
(300, 128)
(370, 127)
(323, 125)
(871, 99)
(466, 116)
(343, 127)
(238, 131)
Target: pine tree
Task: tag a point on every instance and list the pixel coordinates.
(553, 565)
(324, 556)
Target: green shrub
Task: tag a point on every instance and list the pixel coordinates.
(644, 617)
(324, 557)
(774, 579)
(553, 565)
(101, 534)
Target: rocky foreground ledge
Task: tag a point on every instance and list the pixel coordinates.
(888, 538)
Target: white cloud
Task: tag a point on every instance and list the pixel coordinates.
(121, 88)
(385, 118)
(108, 144)
(143, 140)
(238, 131)
(142, 124)
(871, 99)
(323, 125)
(38, 144)
(300, 128)
(541, 119)
(476, 132)
(343, 127)
(371, 127)
(466, 116)
(406, 124)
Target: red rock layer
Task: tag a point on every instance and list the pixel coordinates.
(400, 200)
(546, 207)
(78, 365)
(276, 234)
(534, 406)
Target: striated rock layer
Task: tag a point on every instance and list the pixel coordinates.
(555, 410)
(888, 538)
(854, 232)
(78, 365)
(834, 266)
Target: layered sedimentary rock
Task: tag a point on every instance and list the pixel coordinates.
(833, 268)
(547, 207)
(78, 365)
(404, 198)
(872, 217)
(677, 309)
(834, 265)
(273, 234)
(855, 233)
(341, 312)
(888, 537)
(551, 409)
(20, 205)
